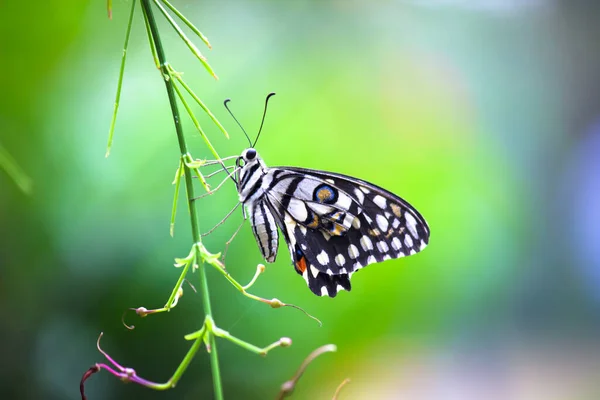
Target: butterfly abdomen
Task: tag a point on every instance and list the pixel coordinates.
(264, 229)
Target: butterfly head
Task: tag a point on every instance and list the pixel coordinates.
(247, 159)
(249, 167)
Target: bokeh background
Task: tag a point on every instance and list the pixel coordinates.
(483, 114)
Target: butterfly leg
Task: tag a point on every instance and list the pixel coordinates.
(222, 221)
(206, 163)
(218, 187)
(227, 243)
(219, 171)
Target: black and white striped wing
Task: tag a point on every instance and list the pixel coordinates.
(335, 225)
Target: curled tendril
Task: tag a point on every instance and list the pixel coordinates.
(288, 387)
(130, 327)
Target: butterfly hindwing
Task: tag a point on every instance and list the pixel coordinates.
(319, 282)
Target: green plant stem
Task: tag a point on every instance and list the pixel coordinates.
(214, 360)
(111, 131)
(182, 366)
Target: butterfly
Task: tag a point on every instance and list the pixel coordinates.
(333, 224)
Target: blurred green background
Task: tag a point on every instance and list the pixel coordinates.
(485, 115)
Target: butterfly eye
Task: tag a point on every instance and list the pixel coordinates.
(250, 154)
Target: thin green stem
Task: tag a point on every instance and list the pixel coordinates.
(190, 261)
(189, 189)
(188, 23)
(186, 40)
(182, 366)
(188, 358)
(149, 34)
(177, 183)
(8, 164)
(206, 110)
(283, 342)
(111, 131)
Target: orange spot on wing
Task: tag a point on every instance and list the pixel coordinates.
(338, 230)
(324, 194)
(396, 210)
(301, 264)
(314, 224)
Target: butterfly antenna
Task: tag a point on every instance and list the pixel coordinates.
(238, 122)
(263, 117)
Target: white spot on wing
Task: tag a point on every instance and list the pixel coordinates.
(356, 223)
(423, 245)
(339, 287)
(408, 241)
(371, 260)
(340, 260)
(297, 209)
(302, 229)
(305, 188)
(387, 257)
(382, 222)
(366, 243)
(321, 209)
(411, 223)
(382, 247)
(353, 252)
(348, 220)
(323, 258)
(343, 271)
(289, 220)
(395, 223)
(396, 244)
(380, 201)
(343, 201)
(359, 196)
(314, 271)
(364, 190)
(329, 272)
(324, 291)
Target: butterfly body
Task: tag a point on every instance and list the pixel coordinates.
(333, 224)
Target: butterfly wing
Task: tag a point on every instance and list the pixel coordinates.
(336, 224)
